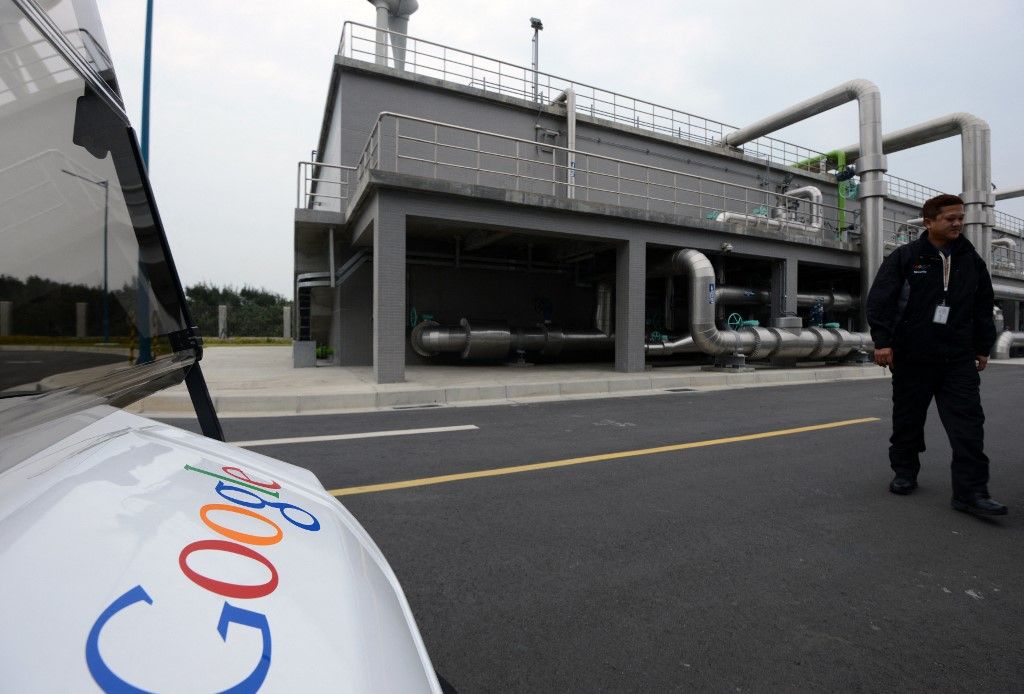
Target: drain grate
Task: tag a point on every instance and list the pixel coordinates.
(415, 407)
(680, 390)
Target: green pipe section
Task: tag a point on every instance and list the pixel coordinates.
(840, 158)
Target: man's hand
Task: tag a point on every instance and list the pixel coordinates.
(982, 362)
(883, 357)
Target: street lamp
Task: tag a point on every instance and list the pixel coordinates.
(537, 26)
(105, 184)
(142, 295)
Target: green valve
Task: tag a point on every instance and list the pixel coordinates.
(833, 326)
(750, 324)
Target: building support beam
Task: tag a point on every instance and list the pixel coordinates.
(388, 293)
(630, 288)
(784, 293)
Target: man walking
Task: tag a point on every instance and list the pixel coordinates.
(930, 312)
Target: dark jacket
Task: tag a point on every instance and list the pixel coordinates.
(910, 330)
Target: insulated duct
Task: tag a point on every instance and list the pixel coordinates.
(976, 166)
(393, 22)
(480, 340)
(756, 343)
(1006, 340)
(871, 166)
(742, 296)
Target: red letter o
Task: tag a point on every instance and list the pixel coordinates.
(228, 590)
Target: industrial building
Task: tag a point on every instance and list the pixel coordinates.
(465, 209)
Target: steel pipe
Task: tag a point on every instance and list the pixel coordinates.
(1006, 340)
(873, 186)
(976, 167)
(1007, 193)
(757, 343)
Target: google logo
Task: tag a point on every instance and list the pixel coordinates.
(246, 497)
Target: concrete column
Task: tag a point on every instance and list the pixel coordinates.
(783, 294)
(80, 314)
(222, 321)
(6, 312)
(1011, 315)
(630, 286)
(388, 294)
(287, 320)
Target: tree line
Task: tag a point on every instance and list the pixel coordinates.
(43, 307)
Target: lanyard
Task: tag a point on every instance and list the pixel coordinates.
(947, 266)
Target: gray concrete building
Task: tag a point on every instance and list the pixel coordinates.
(461, 208)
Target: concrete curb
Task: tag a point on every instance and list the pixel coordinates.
(253, 403)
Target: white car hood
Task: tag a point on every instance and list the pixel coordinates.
(104, 584)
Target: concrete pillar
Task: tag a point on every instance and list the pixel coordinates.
(1011, 315)
(80, 314)
(222, 321)
(287, 319)
(6, 312)
(783, 293)
(630, 287)
(388, 294)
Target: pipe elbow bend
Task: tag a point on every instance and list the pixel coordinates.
(861, 88)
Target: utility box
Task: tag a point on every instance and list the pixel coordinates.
(303, 354)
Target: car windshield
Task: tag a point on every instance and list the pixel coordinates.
(90, 302)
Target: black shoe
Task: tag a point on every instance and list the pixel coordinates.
(979, 505)
(902, 485)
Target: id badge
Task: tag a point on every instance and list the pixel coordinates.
(941, 315)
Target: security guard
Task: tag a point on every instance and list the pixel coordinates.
(930, 312)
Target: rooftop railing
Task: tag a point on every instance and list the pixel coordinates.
(323, 186)
(1008, 262)
(446, 152)
(458, 67)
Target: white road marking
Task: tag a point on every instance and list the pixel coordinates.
(362, 435)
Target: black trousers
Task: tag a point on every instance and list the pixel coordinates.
(955, 387)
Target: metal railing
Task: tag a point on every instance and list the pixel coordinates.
(897, 232)
(908, 190)
(463, 68)
(323, 186)
(1007, 261)
(457, 67)
(1007, 222)
(442, 151)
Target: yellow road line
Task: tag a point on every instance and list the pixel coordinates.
(495, 472)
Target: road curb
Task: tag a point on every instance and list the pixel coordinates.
(253, 404)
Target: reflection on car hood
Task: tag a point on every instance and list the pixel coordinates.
(137, 553)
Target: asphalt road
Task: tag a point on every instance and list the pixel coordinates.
(777, 563)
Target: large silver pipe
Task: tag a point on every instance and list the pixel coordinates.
(1007, 193)
(677, 346)
(871, 165)
(1006, 340)
(757, 343)
(743, 296)
(975, 163)
(480, 340)
(1008, 291)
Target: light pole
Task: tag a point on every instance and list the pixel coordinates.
(142, 300)
(537, 27)
(106, 214)
(147, 54)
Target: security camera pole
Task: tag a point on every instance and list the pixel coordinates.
(537, 26)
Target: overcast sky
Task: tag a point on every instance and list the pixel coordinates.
(238, 88)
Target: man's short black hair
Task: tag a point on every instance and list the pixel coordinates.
(932, 207)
